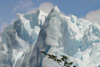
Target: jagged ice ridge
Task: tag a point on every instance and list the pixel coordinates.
(53, 33)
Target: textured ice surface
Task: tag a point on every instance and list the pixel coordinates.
(22, 41)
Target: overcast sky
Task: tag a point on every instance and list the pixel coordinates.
(88, 9)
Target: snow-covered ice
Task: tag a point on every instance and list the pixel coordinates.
(54, 33)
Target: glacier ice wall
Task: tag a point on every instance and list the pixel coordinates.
(53, 33)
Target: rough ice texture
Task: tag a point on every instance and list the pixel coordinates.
(22, 41)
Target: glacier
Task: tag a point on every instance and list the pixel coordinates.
(54, 33)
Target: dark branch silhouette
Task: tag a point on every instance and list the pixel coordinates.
(63, 59)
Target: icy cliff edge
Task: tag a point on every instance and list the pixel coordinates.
(54, 33)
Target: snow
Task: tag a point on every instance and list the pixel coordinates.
(74, 18)
(54, 33)
(56, 8)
